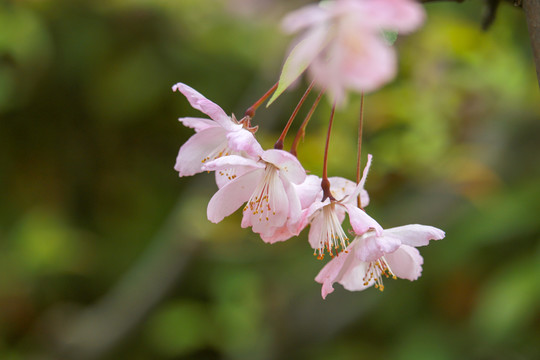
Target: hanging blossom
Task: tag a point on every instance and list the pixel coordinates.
(221, 135)
(267, 188)
(372, 257)
(342, 45)
(325, 217)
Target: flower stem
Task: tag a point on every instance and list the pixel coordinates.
(251, 110)
(279, 142)
(358, 160)
(325, 183)
(302, 131)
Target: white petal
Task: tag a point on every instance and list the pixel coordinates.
(194, 152)
(416, 235)
(230, 197)
(243, 140)
(198, 124)
(288, 165)
(199, 102)
(406, 262)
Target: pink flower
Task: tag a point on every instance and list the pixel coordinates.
(266, 185)
(371, 256)
(222, 135)
(325, 217)
(342, 45)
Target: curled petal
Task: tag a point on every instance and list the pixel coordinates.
(361, 222)
(406, 262)
(199, 102)
(230, 197)
(288, 165)
(416, 235)
(330, 273)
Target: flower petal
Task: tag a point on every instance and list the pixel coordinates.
(406, 262)
(416, 235)
(341, 187)
(243, 140)
(361, 221)
(400, 15)
(329, 273)
(199, 102)
(370, 247)
(195, 151)
(353, 274)
(309, 191)
(230, 161)
(230, 197)
(362, 183)
(304, 17)
(197, 124)
(288, 165)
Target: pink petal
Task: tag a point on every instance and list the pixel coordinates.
(406, 262)
(370, 247)
(416, 235)
(288, 165)
(309, 190)
(329, 273)
(198, 124)
(353, 274)
(295, 208)
(309, 15)
(230, 161)
(230, 197)
(306, 215)
(369, 64)
(361, 221)
(193, 153)
(341, 187)
(400, 15)
(244, 140)
(199, 102)
(277, 234)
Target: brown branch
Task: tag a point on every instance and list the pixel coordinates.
(532, 13)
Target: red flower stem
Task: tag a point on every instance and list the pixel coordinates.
(358, 160)
(302, 131)
(279, 142)
(325, 183)
(251, 110)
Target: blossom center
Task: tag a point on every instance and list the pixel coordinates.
(376, 270)
(262, 202)
(332, 235)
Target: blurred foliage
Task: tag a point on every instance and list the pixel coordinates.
(88, 140)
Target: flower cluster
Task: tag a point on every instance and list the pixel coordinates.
(343, 47)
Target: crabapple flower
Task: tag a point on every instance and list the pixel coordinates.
(221, 135)
(371, 257)
(341, 43)
(266, 187)
(325, 217)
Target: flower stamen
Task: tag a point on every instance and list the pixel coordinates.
(376, 270)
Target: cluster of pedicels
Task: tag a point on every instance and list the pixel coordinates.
(342, 46)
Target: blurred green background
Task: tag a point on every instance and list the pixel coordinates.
(106, 253)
